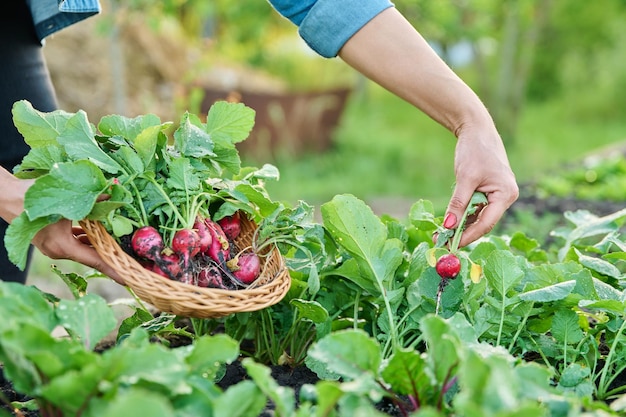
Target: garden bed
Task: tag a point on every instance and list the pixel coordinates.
(234, 373)
(372, 323)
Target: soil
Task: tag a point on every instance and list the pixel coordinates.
(10, 395)
(559, 206)
(285, 376)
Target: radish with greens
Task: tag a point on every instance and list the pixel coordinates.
(186, 244)
(246, 267)
(169, 265)
(219, 250)
(147, 243)
(448, 266)
(204, 234)
(211, 277)
(231, 225)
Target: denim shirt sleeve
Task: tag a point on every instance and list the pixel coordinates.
(50, 16)
(326, 25)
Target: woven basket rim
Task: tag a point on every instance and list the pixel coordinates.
(187, 299)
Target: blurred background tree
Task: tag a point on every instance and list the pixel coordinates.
(521, 50)
(511, 51)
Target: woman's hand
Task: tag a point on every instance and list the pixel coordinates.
(480, 164)
(389, 51)
(60, 240)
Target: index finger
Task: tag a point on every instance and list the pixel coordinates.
(487, 220)
(88, 256)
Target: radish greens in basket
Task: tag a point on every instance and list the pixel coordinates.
(172, 196)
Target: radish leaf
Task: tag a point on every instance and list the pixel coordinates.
(337, 354)
(39, 161)
(70, 190)
(116, 125)
(38, 128)
(20, 233)
(78, 140)
(233, 121)
(88, 317)
(192, 140)
(182, 176)
(146, 143)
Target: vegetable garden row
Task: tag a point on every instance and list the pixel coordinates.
(519, 329)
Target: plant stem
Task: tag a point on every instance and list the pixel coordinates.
(471, 208)
(392, 325)
(137, 299)
(144, 215)
(501, 326)
(609, 361)
(356, 310)
(179, 216)
(543, 356)
(458, 232)
(520, 327)
(445, 386)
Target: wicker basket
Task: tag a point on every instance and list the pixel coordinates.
(189, 300)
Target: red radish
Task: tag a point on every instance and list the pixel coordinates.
(219, 250)
(157, 270)
(246, 267)
(186, 278)
(231, 225)
(169, 265)
(448, 266)
(203, 232)
(186, 243)
(147, 243)
(211, 277)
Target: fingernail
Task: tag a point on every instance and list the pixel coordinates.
(449, 221)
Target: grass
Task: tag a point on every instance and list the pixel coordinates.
(384, 148)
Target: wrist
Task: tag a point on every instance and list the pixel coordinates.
(12, 192)
(474, 119)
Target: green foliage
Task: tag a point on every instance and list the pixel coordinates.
(537, 335)
(566, 61)
(148, 180)
(598, 179)
(540, 332)
(67, 377)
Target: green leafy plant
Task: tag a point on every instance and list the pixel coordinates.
(456, 374)
(375, 258)
(66, 376)
(146, 177)
(540, 334)
(549, 319)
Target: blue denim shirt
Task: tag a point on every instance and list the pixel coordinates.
(325, 25)
(50, 16)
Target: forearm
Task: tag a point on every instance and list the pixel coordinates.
(389, 51)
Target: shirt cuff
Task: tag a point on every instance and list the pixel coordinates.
(329, 24)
